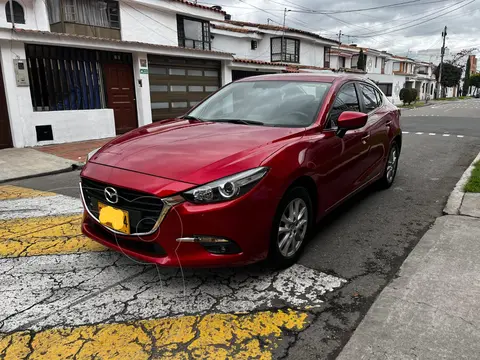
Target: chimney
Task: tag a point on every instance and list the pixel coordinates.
(228, 17)
(216, 7)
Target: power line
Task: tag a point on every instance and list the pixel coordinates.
(404, 3)
(422, 22)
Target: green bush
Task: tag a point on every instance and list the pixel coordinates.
(408, 95)
(414, 95)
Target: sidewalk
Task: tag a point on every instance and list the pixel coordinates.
(19, 163)
(431, 310)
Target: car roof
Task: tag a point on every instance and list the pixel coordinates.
(330, 77)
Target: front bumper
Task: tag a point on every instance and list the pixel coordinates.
(246, 222)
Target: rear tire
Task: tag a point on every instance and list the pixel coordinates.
(291, 227)
(390, 167)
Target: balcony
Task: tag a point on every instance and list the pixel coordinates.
(87, 17)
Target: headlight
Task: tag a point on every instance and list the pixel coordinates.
(91, 153)
(226, 189)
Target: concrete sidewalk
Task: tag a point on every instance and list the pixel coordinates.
(431, 310)
(27, 162)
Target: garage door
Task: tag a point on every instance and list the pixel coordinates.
(177, 84)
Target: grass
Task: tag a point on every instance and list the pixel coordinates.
(473, 184)
(412, 105)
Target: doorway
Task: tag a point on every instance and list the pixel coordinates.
(5, 132)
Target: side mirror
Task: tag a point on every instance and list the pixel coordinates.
(350, 120)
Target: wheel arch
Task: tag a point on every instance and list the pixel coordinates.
(308, 183)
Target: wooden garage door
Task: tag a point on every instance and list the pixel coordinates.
(177, 84)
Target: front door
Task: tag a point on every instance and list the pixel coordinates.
(121, 96)
(5, 133)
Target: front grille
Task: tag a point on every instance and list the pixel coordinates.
(143, 209)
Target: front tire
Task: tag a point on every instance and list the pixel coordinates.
(391, 167)
(291, 227)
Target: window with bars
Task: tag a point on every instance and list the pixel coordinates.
(18, 13)
(386, 88)
(284, 49)
(326, 56)
(193, 33)
(64, 78)
(87, 12)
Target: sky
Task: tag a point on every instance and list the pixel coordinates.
(402, 29)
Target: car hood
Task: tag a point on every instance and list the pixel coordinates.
(193, 151)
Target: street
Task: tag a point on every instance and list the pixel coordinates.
(114, 307)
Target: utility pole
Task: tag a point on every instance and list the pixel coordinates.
(340, 36)
(11, 14)
(442, 54)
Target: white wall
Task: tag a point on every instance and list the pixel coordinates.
(155, 21)
(141, 23)
(142, 92)
(374, 69)
(67, 126)
(36, 17)
(397, 82)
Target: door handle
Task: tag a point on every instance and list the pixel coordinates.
(365, 138)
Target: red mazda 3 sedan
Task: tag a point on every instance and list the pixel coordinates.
(244, 175)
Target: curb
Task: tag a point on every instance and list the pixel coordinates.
(73, 167)
(456, 196)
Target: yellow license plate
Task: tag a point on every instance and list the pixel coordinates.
(113, 218)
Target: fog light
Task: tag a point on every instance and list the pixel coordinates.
(214, 245)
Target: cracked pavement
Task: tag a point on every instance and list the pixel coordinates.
(78, 302)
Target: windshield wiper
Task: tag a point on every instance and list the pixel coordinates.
(189, 117)
(240, 121)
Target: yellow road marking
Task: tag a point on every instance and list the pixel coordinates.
(9, 192)
(44, 236)
(212, 336)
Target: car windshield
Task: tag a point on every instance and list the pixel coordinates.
(264, 102)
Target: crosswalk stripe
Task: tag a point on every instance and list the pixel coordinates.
(44, 236)
(211, 336)
(8, 192)
(39, 206)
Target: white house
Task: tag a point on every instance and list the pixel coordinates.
(78, 70)
(264, 48)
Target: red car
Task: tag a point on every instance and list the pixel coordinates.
(244, 175)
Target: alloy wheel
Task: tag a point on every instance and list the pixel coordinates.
(293, 227)
(392, 164)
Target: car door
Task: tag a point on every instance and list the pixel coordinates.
(377, 125)
(342, 160)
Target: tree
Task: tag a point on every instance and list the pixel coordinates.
(414, 95)
(361, 60)
(451, 75)
(475, 81)
(466, 80)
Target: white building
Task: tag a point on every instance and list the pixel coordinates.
(258, 49)
(95, 69)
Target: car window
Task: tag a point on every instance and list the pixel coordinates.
(266, 102)
(346, 100)
(379, 98)
(370, 99)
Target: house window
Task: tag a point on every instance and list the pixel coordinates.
(193, 33)
(18, 13)
(326, 56)
(103, 13)
(386, 88)
(64, 78)
(396, 66)
(376, 62)
(355, 61)
(285, 49)
(341, 62)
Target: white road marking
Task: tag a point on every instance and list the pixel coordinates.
(419, 133)
(460, 136)
(39, 206)
(432, 134)
(405, 132)
(446, 134)
(71, 290)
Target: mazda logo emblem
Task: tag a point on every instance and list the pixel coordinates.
(111, 195)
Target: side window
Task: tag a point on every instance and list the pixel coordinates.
(369, 97)
(347, 100)
(379, 98)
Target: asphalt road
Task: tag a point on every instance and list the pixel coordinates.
(366, 240)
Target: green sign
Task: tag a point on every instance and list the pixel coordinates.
(143, 71)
